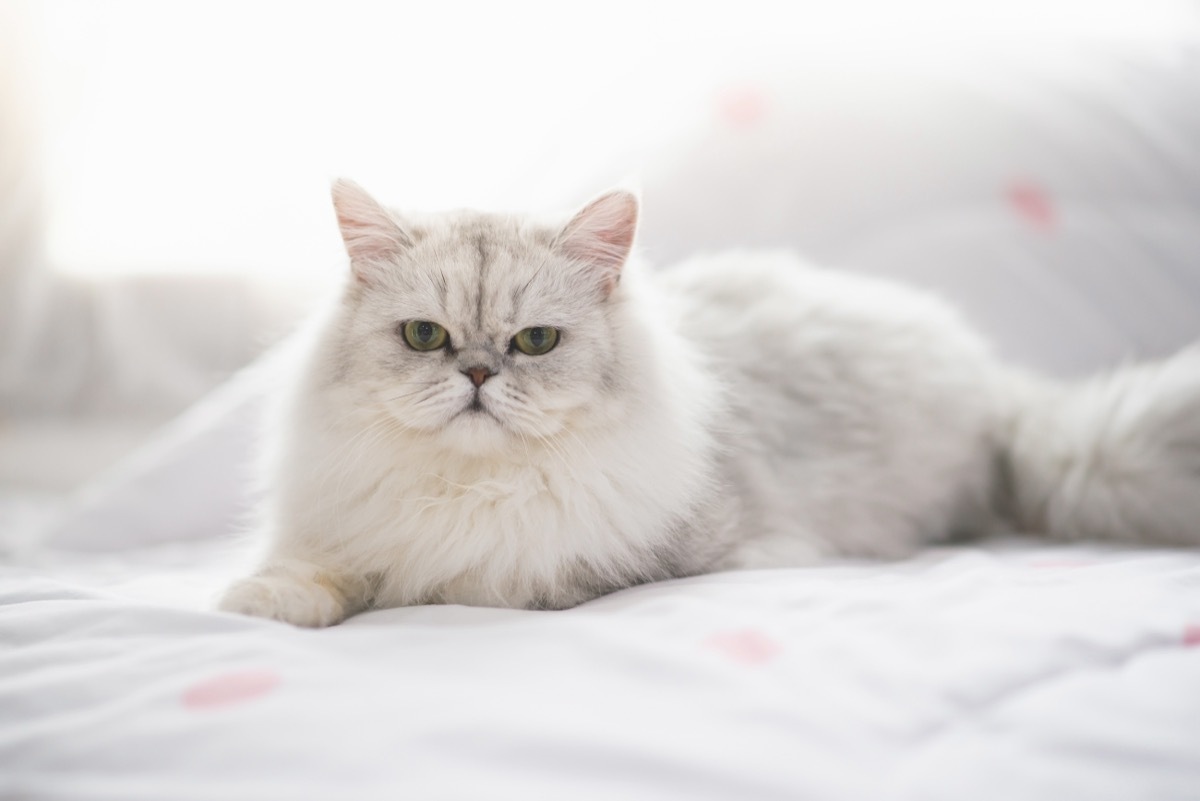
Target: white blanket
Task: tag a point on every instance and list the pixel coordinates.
(1014, 671)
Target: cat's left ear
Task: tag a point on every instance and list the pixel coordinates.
(372, 236)
(601, 234)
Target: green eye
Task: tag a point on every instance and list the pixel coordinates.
(424, 335)
(537, 340)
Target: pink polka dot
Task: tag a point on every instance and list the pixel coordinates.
(230, 689)
(742, 107)
(1191, 636)
(745, 646)
(1033, 204)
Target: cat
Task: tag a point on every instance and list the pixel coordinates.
(509, 412)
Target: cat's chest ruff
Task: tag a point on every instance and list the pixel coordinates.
(489, 503)
(479, 489)
(465, 530)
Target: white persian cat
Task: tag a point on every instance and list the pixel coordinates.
(504, 412)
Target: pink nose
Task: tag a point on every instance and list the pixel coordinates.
(478, 375)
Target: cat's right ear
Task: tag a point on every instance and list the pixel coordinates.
(371, 234)
(601, 235)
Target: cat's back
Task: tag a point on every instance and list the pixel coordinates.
(729, 299)
(837, 385)
(771, 318)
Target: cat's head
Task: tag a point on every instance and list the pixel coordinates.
(485, 330)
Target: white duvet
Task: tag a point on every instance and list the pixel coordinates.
(1013, 671)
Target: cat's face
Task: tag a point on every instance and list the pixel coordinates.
(483, 330)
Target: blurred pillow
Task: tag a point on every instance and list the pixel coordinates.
(1058, 204)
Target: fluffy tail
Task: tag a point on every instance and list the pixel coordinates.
(1116, 458)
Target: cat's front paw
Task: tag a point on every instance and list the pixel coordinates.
(299, 601)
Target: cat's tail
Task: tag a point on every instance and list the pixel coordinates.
(1115, 458)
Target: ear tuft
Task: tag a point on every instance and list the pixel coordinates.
(601, 234)
(371, 234)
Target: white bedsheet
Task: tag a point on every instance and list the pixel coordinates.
(1012, 671)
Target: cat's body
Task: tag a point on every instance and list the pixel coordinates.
(742, 410)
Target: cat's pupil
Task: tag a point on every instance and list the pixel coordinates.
(537, 337)
(424, 331)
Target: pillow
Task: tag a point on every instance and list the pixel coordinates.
(1057, 204)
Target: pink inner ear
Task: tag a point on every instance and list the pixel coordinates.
(369, 232)
(602, 234)
(366, 241)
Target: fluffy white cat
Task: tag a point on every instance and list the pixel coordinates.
(501, 411)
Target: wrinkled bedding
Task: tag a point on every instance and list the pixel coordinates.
(1014, 670)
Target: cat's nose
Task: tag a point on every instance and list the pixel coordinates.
(478, 375)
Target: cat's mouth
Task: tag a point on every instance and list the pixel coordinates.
(477, 409)
(477, 429)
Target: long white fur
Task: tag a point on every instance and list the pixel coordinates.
(739, 410)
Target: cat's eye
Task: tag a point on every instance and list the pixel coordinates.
(424, 335)
(537, 340)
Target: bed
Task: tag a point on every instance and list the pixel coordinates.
(1009, 671)
(1061, 210)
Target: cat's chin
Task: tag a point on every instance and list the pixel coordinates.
(476, 432)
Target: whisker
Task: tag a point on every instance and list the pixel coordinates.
(403, 395)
